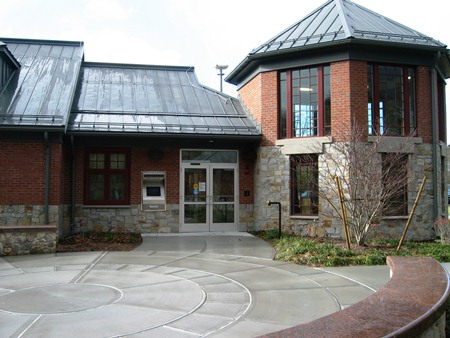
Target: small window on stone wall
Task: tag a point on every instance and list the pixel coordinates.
(304, 185)
(395, 184)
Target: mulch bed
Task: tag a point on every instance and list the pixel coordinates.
(99, 241)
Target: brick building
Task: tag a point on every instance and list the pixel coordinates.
(103, 147)
(339, 69)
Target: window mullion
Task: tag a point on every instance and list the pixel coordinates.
(289, 119)
(320, 101)
(406, 107)
(376, 100)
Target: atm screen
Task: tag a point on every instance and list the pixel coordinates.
(153, 191)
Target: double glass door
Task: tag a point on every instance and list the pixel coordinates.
(209, 197)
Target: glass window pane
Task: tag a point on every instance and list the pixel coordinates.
(412, 100)
(326, 101)
(96, 184)
(304, 183)
(395, 175)
(96, 161)
(283, 105)
(195, 185)
(118, 161)
(117, 187)
(223, 185)
(199, 156)
(223, 213)
(194, 213)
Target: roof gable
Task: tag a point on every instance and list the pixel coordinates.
(8, 65)
(41, 94)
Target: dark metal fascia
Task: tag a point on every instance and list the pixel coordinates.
(249, 67)
(230, 137)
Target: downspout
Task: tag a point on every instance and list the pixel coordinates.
(74, 174)
(434, 143)
(47, 178)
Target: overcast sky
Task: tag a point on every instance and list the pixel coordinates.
(199, 33)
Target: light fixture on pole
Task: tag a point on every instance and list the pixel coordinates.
(221, 68)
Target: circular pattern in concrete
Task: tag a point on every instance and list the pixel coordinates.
(118, 299)
(164, 294)
(61, 298)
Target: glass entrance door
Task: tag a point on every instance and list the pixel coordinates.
(209, 197)
(194, 214)
(223, 199)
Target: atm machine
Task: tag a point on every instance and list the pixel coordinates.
(153, 191)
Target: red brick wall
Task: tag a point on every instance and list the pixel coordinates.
(424, 117)
(246, 171)
(269, 95)
(348, 97)
(260, 97)
(348, 100)
(22, 168)
(250, 96)
(170, 163)
(57, 174)
(140, 161)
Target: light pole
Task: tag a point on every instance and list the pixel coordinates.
(220, 68)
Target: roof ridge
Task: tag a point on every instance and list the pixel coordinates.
(269, 42)
(348, 29)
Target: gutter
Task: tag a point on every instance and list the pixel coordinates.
(74, 175)
(434, 142)
(47, 178)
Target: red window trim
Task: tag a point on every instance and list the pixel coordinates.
(310, 161)
(107, 172)
(320, 101)
(376, 98)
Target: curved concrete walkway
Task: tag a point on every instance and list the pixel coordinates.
(216, 285)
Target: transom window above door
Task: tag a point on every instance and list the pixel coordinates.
(209, 156)
(305, 102)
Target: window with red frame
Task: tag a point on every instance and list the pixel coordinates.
(305, 102)
(391, 100)
(395, 182)
(304, 185)
(107, 177)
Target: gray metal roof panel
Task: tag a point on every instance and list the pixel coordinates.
(42, 94)
(334, 22)
(342, 19)
(153, 99)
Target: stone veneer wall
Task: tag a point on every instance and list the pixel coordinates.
(27, 239)
(135, 220)
(107, 219)
(272, 179)
(28, 214)
(127, 219)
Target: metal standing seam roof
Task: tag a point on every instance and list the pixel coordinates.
(335, 22)
(115, 98)
(42, 92)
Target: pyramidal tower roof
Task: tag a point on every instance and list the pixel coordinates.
(337, 20)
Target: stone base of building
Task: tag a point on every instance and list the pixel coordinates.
(23, 240)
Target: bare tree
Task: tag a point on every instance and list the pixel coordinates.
(374, 181)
